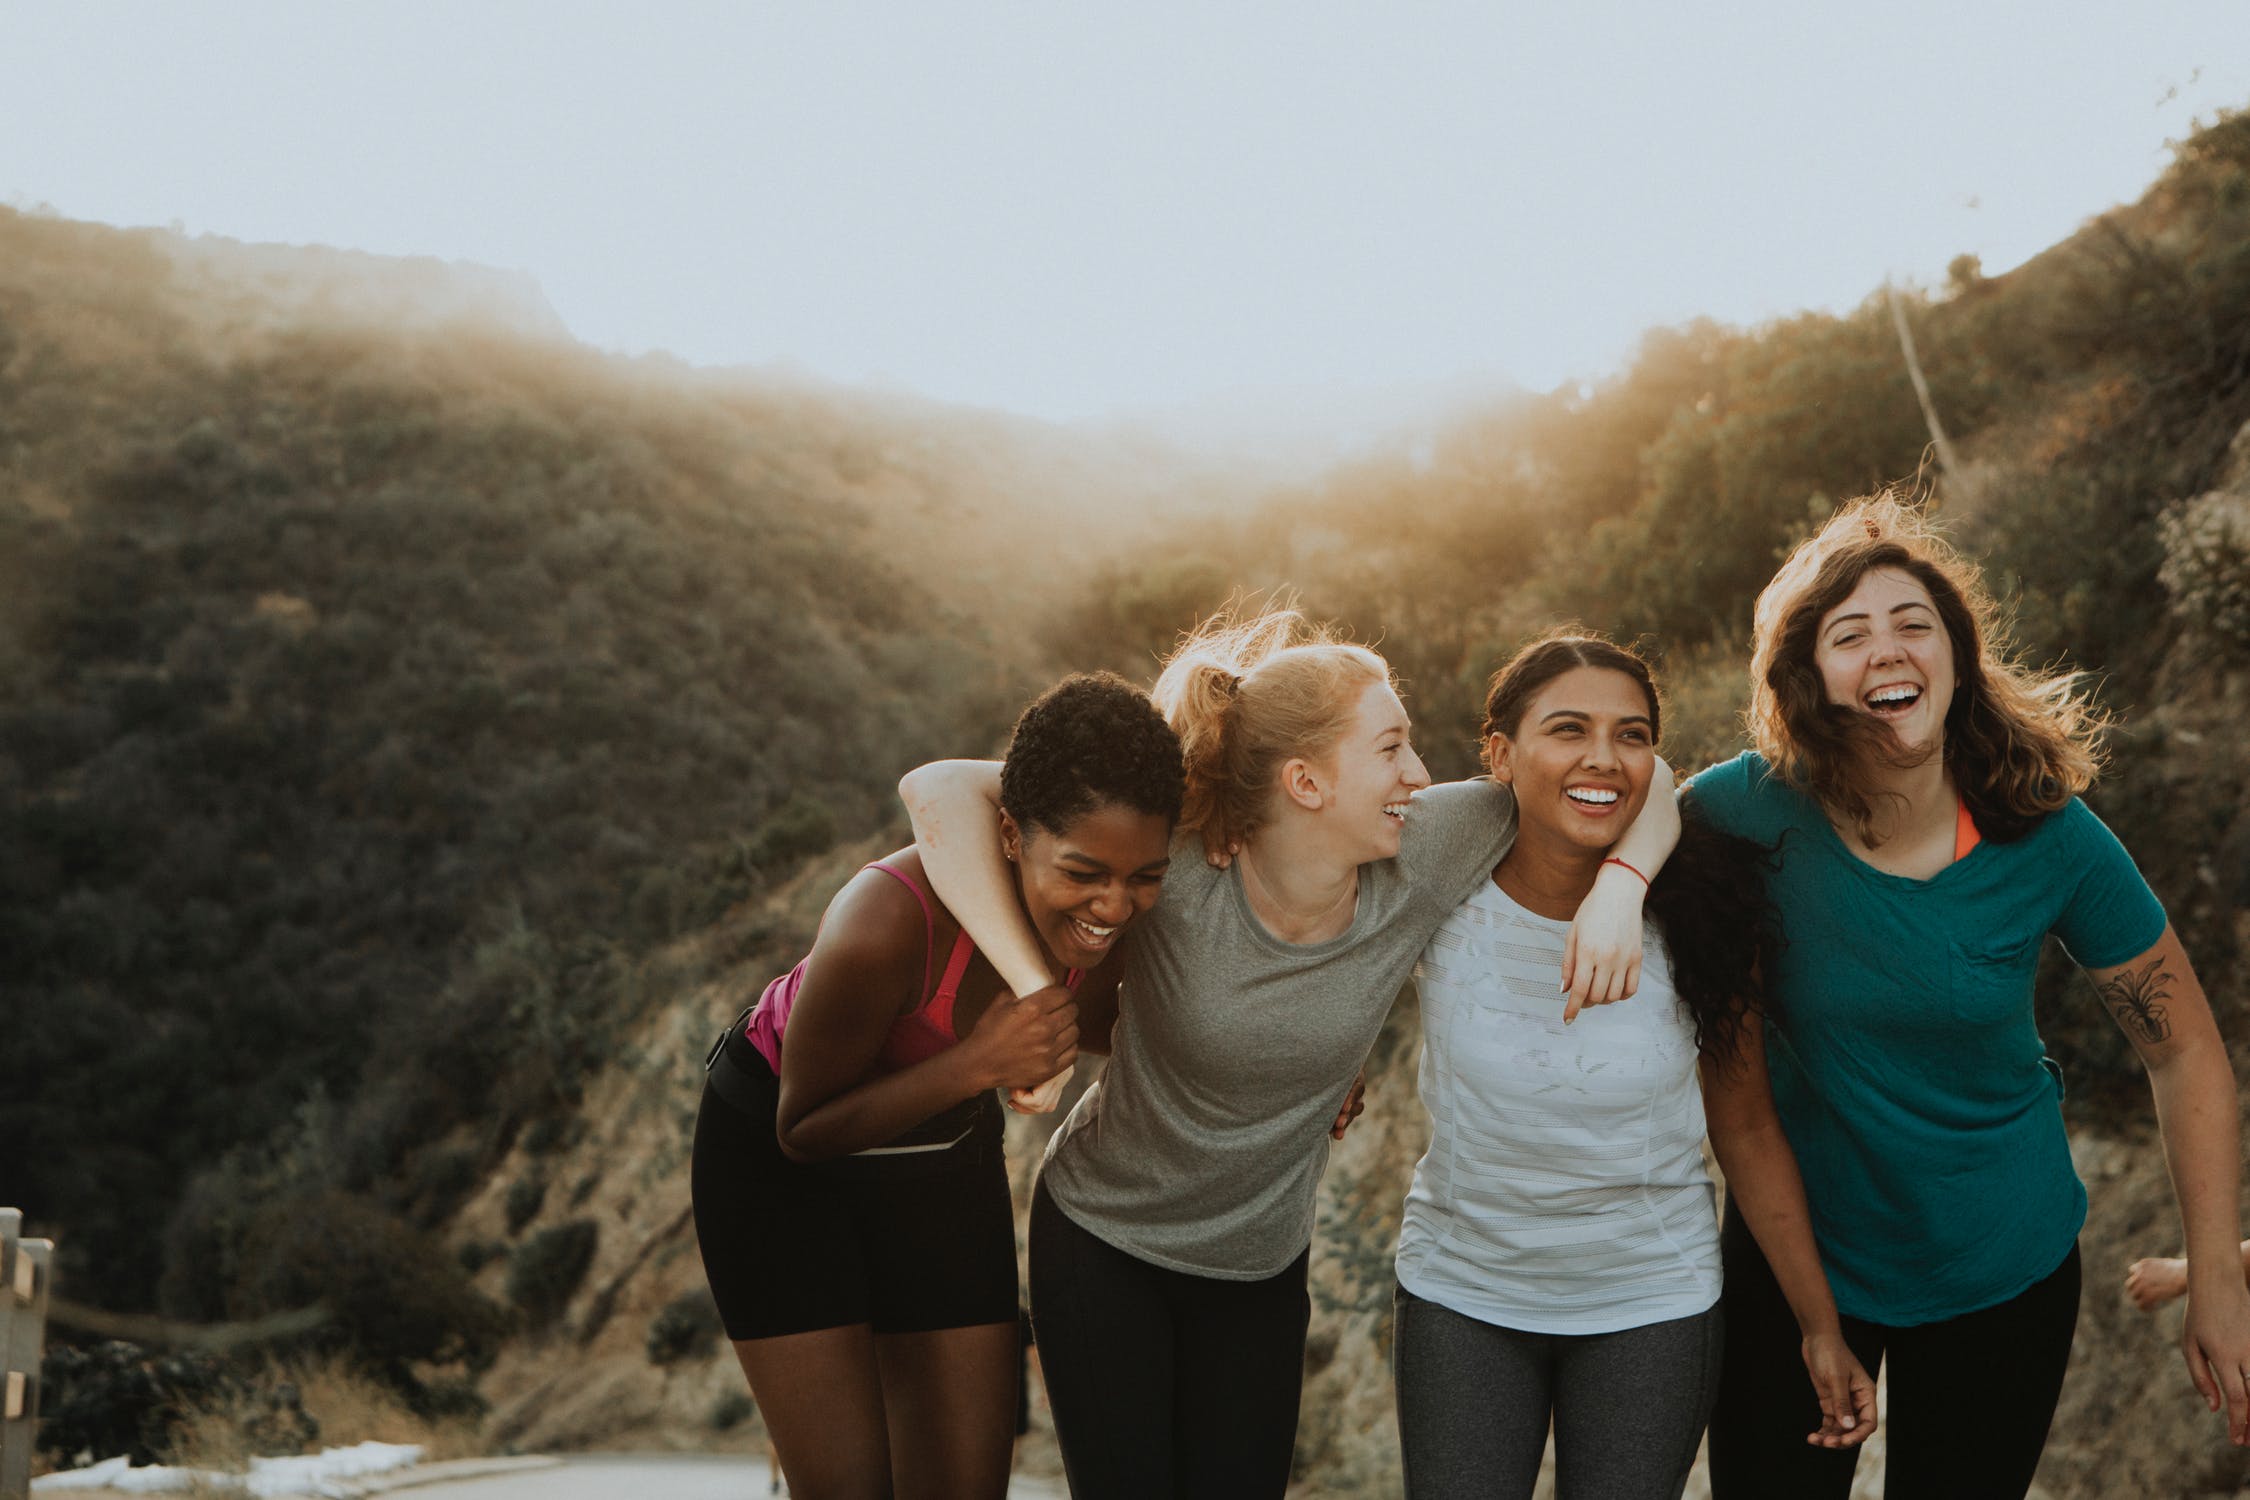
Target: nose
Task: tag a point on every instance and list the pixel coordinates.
(1886, 649)
(1112, 904)
(1411, 770)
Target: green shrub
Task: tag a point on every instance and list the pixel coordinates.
(549, 1267)
(687, 1328)
(525, 1195)
(395, 1297)
(731, 1410)
(2206, 567)
(475, 1255)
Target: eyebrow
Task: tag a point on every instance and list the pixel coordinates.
(1863, 614)
(1580, 713)
(1088, 859)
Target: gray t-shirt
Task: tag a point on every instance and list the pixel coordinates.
(1201, 1148)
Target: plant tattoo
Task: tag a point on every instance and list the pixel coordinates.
(2136, 998)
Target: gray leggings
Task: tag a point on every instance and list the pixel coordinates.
(1474, 1400)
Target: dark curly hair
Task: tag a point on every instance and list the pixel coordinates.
(1709, 900)
(1090, 741)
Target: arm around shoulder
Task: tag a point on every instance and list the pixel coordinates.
(955, 808)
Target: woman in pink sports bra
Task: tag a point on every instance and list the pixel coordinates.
(850, 1198)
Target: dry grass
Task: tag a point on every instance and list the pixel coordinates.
(350, 1407)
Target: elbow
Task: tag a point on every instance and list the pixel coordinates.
(800, 1145)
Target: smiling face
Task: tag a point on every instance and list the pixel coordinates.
(1884, 651)
(1082, 887)
(1580, 758)
(1373, 772)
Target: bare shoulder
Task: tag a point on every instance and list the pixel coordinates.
(875, 930)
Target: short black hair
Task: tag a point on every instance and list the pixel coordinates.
(1090, 741)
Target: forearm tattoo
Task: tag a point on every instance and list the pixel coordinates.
(2136, 997)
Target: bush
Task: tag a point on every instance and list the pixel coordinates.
(548, 1269)
(551, 1133)
(525, 1195)
(731, 1410)
(686, 1329)
(2206, 567)
(118, 1398)
(395, 1295)
(475, 1255)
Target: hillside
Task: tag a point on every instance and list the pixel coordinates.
(382, 675)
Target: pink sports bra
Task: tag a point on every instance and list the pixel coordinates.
(921, 1033)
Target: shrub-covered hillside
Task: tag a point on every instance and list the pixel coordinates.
(2086, 391)
(376, 682)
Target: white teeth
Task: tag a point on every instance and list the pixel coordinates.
(1100, 932)
(1395, 809)
(1897, 693)
(1599, 796)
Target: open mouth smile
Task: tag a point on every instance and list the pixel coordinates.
(1892, 700)
(1597, 799)
(1395, 811)
(1091, 936)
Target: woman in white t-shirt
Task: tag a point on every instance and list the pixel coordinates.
(1559, 1258)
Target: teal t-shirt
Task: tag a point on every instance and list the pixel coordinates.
(1924, 1111)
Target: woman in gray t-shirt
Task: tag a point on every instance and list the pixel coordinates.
(1170, 1228)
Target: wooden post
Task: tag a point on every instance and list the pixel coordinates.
(24, 1267)
(1948, 465)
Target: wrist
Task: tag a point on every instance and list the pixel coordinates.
(1614, 862)
(2213, 1275)
(973, 1070)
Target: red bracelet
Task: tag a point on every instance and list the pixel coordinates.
(1614, 860)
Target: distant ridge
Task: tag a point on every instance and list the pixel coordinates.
(291, 285)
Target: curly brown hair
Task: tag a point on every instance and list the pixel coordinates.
(2020, 742)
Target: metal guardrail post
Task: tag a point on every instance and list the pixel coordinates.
(24, 1266)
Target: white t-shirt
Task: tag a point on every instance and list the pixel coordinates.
(1565, 1189)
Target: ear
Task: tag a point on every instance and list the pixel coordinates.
(1302, 783)
(1499, 756)
(1011, 838)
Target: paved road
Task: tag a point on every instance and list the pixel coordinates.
(643, 1476)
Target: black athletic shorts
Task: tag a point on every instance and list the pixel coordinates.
(905, 1244)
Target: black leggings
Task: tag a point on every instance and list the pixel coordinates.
(1970, 1398)
(1163, 1383)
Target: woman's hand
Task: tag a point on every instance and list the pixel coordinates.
(1043, 1099)
(1022, 1042)
(1847, 1395)
(2216, 1345)
(1602, 955)
(1354, 1105)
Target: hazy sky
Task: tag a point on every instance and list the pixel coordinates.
(1075, 210)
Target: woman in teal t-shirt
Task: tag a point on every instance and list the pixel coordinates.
(1923, 792)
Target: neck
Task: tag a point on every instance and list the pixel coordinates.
(1918, 796)
(1300, 890)
(1548, 876)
